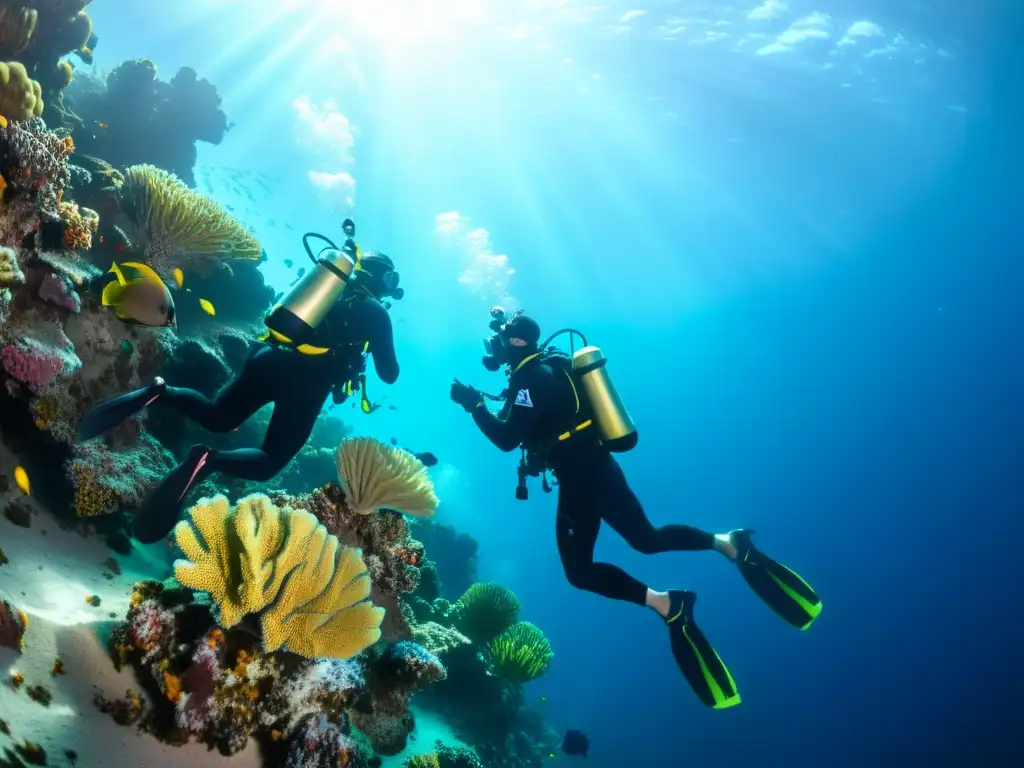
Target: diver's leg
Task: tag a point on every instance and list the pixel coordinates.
(108, 414)
(576, 529)
(290, 427)
(237, 401)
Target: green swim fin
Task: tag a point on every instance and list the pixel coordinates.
(782, 589)
(697, 660)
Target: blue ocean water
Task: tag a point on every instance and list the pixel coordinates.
(794, 228)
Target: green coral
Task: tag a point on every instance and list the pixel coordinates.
(310, 593)
(485, 611)
(176, 225)
(428, 760)
(521, 653)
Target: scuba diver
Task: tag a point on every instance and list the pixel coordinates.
(565, 415)
(316, 344)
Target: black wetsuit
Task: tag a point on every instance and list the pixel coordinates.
(592, 488)
(297, 384)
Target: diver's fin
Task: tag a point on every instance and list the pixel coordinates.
(697, 660)
(107, 415)
(782, 589)
(159, 513)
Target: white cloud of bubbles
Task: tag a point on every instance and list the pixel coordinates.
(485, 274)
(860, 30)
(769, 9)
(813, 27)
(328, 137)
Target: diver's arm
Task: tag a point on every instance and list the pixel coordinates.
(509, 433)
(382, 345)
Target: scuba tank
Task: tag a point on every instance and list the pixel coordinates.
(616, 429)
(305, 306)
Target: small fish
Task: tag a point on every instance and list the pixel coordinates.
(427, 458)
(289, 263)
(394, 441)
(179, 277)
(143, 300)
(575, 743)
(21, 480)
(392, 407)
(102, 126)
(207, 307)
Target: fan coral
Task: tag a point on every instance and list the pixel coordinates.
(21, 97)
(282, 564)
(378, 476)
(176, 225)
(485, 611)
(521, 653)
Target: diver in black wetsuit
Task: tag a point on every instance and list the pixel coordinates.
(296, 379)
(551, 414)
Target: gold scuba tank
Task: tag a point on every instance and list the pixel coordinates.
(616, 429)
(306, 305)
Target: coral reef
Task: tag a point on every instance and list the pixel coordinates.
(20, 96)
(454, 553)
(131, 117)
(282, 565)
(220, 687)
(377, 476)
(13, 625)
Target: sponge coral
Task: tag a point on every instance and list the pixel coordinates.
(311, 593)
(10, 270)
(376, 476)
(485, 611)
(21, 97)
(521, 653)
(175, 223)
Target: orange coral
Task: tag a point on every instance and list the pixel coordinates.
(172, 686)
(79, 225)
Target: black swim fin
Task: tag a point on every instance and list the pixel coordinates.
(697, 660)
(159, 513)
(108, 414)
(782, 589)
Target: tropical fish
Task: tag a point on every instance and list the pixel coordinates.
(143, 300)
(207, 307)
(426, 458)
(179, 277)
(289, 263)
(21, 480)
(575, 743)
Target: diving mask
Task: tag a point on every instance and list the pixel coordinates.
(496, 345)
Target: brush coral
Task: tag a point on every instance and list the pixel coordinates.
(176, 224)
(310, 593)
(376, 476)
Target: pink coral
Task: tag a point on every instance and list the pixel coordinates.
(32, 364)
(59, 291)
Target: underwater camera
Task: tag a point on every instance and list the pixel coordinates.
(306, 305)
(494, 345)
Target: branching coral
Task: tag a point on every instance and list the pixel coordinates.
(177, 226)
(282, 564)
(21, 97)
(377, 476)
(485, 611)
(40, 173)
(521, 653)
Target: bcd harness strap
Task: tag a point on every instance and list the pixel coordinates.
(575, 393)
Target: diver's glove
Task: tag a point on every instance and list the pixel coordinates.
(466, 396)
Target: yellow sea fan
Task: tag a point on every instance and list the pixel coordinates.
(310, 593)
(376, 476)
